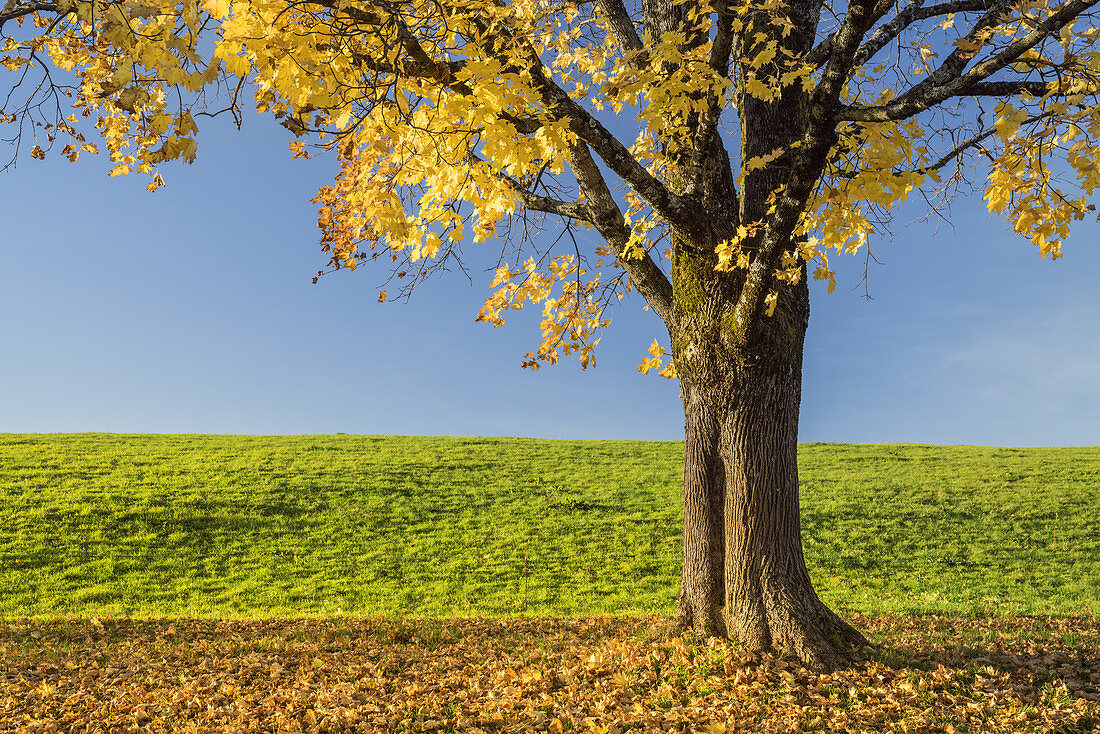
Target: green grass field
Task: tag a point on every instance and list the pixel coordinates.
(242, 526)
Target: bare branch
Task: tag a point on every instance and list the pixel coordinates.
(1005, 89)
(913, 13)
(887, 32)
(949, 81)
(566, 209)
(972, 142)
(539, 203)
(958, 150)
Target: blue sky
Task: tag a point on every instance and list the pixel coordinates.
(192, 310)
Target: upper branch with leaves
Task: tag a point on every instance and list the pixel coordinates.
(451, 121)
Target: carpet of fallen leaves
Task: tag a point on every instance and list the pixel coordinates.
(929, 674)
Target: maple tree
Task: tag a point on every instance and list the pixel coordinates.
(764, 136)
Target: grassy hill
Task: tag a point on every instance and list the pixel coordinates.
(244, 526)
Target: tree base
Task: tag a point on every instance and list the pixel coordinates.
(705, 620)
(815, 636)
(807, 631)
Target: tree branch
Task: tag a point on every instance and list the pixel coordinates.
(706, 128)
(622, 26)
(566, 209)
(722, 48)
(420, 64)
(597, 207)
(891, 30)
(887, 32)
(820, 54)
(970, 143)
(560, 106)
(615, 155)
(1005, 89)
(646, 276)
(949, 81)
(13, 10)
(537, 202)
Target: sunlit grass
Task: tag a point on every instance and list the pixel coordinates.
(95, 524)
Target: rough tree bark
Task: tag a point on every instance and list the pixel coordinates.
(741, 474)
(702, 587)
(770, 602)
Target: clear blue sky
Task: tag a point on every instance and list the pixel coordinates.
(192, 310)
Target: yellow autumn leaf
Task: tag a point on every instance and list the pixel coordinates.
(1009, 120)
(770, 301)
(216, 8)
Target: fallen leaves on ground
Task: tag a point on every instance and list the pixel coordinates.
(929, 674)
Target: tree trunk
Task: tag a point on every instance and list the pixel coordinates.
(702, 588)
(741, 454)
(770, 602)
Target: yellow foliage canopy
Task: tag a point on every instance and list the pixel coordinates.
(461, 122)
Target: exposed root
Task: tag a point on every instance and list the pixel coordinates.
(780, 615)
(823, 643)
(800, 626)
